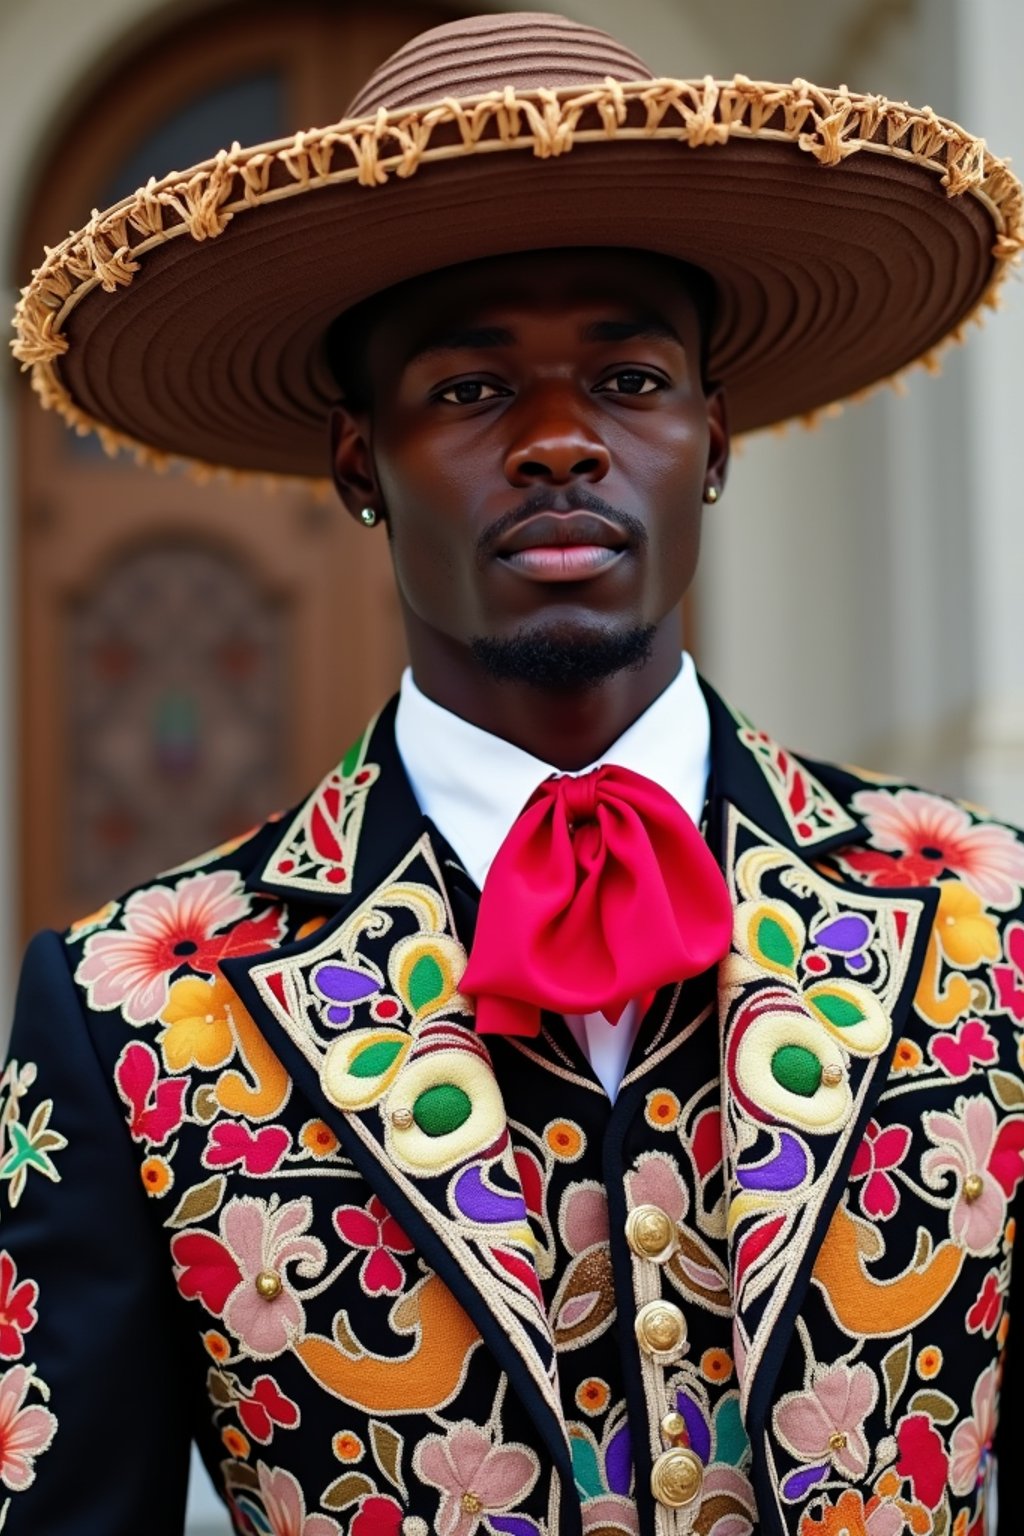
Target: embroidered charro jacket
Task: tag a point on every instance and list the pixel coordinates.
(263, 1186)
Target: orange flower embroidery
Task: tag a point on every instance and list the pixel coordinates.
(157, 1177)
(564, 1139)
(716, 1365)
(216, 1345)
(236, 1443)
(592, 1395)
(317, 1137)
(347, 1447)
(929, 1362)
(662, 1110)
(907, 1056)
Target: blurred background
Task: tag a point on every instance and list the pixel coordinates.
(177, 660)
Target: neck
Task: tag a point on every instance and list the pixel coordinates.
(567, 728)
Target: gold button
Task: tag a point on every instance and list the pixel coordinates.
(833, 1075)
(651, 1233)
(837, 1441)
(677, 1477)
(472, 1503)
(661, 1330)
(268, 1284)
(673, 1429)
(401, 1119)
(974, 1186)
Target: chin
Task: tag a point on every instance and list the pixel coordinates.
(565, 655)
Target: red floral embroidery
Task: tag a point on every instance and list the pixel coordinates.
(374, 1229)
(378, 1516)
(878, 1152)
(17, 1309)
(922, 1458)
(258, 1152)
(984, 1314)
(157, 1108)
(266, 1407)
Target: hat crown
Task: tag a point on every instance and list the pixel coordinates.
(524, 49)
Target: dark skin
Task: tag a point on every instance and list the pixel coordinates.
(540, 444)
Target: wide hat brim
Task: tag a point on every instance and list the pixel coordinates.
(847, 237)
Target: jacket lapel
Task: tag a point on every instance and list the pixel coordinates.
(812, 1000)
(366, 1015)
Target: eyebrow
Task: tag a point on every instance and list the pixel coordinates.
(479, 338)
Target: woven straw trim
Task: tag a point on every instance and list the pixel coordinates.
(830, 125)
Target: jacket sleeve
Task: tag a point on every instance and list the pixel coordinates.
(94, 1420)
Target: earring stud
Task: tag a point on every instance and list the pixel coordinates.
(711, 494)
(368, 516)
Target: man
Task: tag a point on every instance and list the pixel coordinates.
(687, 1202)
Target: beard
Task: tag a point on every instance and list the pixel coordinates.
(564, 663)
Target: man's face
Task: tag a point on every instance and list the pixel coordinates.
(539, 440)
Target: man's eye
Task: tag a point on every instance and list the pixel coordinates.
(630, 382)
(469, 392)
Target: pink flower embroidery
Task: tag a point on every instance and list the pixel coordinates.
(156, 1106)
(987, 1167)
(987, 1307)
(826, 1423)
(475, 1476)
(928, 836)
(257, 1241)
(379, 1232)
(285, 1506)
(165, 929)
(878, 1152)
(17, 1309)
(24, 1432)
(971, 1444)
(259, 1152)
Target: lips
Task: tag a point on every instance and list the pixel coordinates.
(562, 546)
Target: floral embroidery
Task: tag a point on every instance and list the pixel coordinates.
(929, 1362)
(825, 1425)
(24, 1148)
(377, 1231)
(282, 1509)
(265, 1406)
(165, 930)
(475, 1476)
(925, 836)
(922, 1458)
(986, 1163)
(156, 1107)
(157, 1176)
(242, 1277)
(984, 1315)
(971, 1444)
(17, 1309)
(878, 1153)
(25, 1432)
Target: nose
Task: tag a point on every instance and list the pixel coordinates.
(556, 448)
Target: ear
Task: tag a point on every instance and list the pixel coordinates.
(355, 478)
(718, 438)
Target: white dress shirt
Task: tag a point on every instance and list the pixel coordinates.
(473, 785)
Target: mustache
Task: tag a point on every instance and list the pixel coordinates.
(573, 499)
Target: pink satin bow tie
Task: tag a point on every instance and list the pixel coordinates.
(603, 891)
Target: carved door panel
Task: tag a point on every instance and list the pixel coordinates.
(192, 656)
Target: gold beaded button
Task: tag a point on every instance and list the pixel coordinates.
(401, 1119)
(268, 1284)
(837, 1441)
(673, 1429)
(677, 1477)
(974, 1187)
(472, 1503)
(661, 1329)
(832, 1075)
(651, 1233)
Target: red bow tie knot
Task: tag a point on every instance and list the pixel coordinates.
(603, 891)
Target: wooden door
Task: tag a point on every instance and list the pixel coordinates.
(192, 656)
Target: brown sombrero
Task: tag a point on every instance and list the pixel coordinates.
(847, 236)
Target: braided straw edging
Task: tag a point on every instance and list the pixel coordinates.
(830, 125)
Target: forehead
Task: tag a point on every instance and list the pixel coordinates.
(622, 284)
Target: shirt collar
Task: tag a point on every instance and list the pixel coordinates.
(472, 785)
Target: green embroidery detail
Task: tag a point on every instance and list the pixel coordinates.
(731, 1443)
(426, 983)
(353, 757)
(442, 1109)
(797, 1069)
(373, 1060)
(586, 1469)
(776, 944)
(839, 1011)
